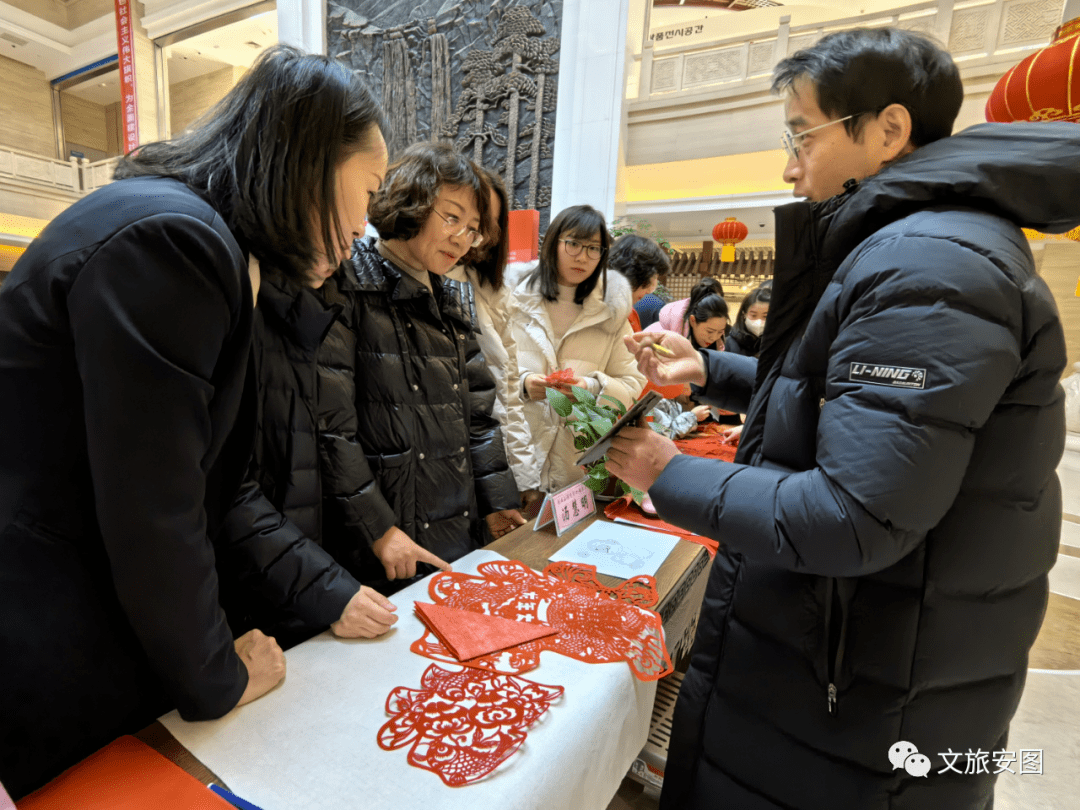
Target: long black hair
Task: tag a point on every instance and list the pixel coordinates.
(761, 294)
(582, 222)
(706, 301)
(266, 155)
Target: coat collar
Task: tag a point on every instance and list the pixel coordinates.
(294, 311)
(368, 271)
(610, 304)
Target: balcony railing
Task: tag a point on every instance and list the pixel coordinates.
(971, 29)
(76, 176)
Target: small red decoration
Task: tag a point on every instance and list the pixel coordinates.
(1042, 87)
(468, 635)
(596, 623)
(463, 725)
(729, 233)
(563, 376)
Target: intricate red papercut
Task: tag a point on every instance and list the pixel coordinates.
(595, 623)
(564, 376)
(463, 725)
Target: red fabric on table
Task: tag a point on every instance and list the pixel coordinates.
(625, 509)
(468, 634)
(126, 774)
(708, 446)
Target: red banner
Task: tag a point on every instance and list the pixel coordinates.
(125, 48)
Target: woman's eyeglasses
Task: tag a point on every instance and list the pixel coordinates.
(573, 248)
(452, 227)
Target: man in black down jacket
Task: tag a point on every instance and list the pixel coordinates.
(893, 510)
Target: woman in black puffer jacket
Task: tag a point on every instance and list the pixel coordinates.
(412, 456)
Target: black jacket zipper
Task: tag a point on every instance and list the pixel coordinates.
(837, 595)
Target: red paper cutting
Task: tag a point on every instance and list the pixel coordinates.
(468, 635)
(596, 624)
(563, 376)
(463, 725)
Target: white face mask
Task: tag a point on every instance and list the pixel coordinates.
(755, 327)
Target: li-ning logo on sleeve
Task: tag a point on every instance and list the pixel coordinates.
(897, 376)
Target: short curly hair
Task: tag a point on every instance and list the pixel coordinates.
(639, 259)
(407, 195)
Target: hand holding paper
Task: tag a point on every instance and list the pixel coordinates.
(639, 455)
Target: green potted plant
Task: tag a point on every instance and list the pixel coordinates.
(589, 419)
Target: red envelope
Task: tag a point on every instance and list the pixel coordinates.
(469, 634)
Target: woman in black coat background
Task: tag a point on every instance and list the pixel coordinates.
(126, 423)
(415, 472)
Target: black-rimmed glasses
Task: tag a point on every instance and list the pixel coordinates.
(573, 248)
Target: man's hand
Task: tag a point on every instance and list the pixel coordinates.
(639, 455)
(399, 554)
(701, 412)
(504, 522)
(369, 614)
(265, 664)
(676, 362)
(731, 435)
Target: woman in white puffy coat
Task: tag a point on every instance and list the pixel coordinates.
(486, 273)
(568, 312)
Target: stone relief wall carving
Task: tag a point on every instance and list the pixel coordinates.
(482, 75)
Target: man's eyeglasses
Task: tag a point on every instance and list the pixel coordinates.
(452, 227)
(792, 142)
(573, 248)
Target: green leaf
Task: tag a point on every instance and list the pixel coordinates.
(582, 443)
(625, 487)
(583, 395)
(597, 484)
(598, 469)
(601, 426)
(580, 414)
(559, 402)
(619, 407)
(637, 495)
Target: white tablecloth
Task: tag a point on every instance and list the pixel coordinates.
(312, 741)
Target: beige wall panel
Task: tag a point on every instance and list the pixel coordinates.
(723, 132)
(191, 98)
(84, 122)
(26, 120)
(1061, 271)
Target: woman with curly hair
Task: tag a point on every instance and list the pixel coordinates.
(414, 471)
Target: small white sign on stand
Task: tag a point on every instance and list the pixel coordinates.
(567, 507)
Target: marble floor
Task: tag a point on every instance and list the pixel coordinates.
(1048, 718)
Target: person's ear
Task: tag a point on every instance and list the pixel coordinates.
(693, 321)
(895, 123)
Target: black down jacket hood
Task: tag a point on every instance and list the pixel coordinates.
(888, 529)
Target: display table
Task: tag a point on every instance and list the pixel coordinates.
(312, 741)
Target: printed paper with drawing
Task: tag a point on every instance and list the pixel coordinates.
(618, 550)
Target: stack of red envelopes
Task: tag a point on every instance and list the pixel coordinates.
(469, 635)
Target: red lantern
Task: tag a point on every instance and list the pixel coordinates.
(729, 233)
(1041, 88)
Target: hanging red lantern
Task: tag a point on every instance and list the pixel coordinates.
(1042, 88)
(729, 233)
